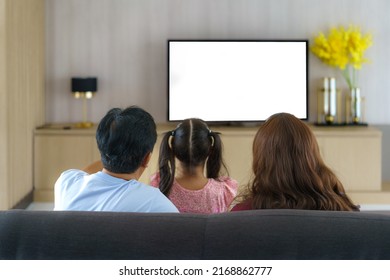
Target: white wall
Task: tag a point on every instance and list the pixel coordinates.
(123, 43)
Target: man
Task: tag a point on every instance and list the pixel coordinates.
(125, 139)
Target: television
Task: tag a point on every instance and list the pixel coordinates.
(237, 81)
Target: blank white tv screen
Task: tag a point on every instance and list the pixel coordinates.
(237, 81)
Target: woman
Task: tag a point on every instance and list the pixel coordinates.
(289, 172)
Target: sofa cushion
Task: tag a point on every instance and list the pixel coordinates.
(99, 235)
(298, 234)
(260, 234)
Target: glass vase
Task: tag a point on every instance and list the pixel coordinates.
(328, 103)
(355, 106)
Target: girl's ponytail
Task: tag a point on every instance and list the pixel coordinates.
(166, 164)
(215, 161)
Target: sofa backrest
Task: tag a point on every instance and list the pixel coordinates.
(261, 234)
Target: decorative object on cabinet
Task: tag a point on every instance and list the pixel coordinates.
(84, 88)
(355, 107)
(344, 49)
(329, 103)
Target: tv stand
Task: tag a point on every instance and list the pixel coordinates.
(354, 154)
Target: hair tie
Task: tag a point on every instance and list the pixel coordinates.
(211, 135)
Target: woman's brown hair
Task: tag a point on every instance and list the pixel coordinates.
(289, 171)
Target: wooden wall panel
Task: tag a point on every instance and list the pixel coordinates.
(22, 94)
(3, 111)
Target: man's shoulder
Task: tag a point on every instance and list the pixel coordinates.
(159, 202)
(72, 173)
(69, 177)
(144, 187)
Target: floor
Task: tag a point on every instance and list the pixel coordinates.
(38, 206)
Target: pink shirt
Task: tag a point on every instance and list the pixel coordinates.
(214, 197)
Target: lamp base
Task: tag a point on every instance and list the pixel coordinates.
(84, 125)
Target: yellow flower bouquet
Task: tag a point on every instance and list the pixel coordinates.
(343, 49)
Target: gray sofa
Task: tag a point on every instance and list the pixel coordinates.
(262, 234)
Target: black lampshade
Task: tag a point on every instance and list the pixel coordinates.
(84, 84)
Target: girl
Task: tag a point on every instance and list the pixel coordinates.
(289, 172)
(193, 146)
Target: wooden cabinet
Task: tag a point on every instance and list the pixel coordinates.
(56, 150)
(354, 153)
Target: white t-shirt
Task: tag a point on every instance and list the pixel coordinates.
(79, 191)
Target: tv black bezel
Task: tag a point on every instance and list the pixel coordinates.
(237, 122)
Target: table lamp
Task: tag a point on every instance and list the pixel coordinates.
(84, 88)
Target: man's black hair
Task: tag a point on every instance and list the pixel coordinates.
(124, 138)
